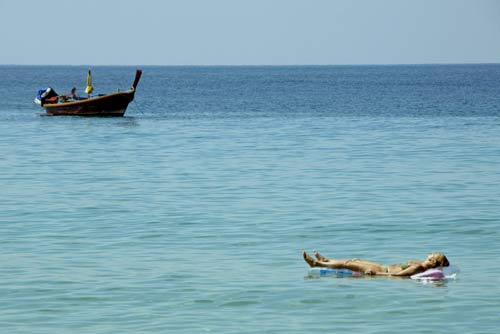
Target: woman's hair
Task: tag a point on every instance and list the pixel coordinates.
(439, 260)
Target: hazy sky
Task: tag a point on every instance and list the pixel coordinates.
(249, 32)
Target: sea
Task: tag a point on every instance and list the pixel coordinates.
(190, 214)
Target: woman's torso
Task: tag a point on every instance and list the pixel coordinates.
(396, 268)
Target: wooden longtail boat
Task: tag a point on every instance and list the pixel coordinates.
(114, 104)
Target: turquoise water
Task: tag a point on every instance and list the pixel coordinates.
(190, 214)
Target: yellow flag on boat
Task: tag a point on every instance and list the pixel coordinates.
(89, 89)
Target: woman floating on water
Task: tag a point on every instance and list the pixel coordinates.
(409, 268)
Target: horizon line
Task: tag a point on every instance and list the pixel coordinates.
(259, 65)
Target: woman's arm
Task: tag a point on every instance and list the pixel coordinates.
(411, 270)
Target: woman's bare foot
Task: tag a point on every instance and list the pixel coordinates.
(310, 261)
(320, 257)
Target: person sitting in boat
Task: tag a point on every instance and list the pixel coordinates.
(72, 96)
(409, 268)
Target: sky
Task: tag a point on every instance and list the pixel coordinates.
(249, 32)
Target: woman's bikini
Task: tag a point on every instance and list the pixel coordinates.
(403, 266)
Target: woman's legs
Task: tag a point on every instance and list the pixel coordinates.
(327, 263)
(325, 259)
(354, 264)
(320, 257)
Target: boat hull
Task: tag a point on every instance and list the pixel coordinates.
(111, 105)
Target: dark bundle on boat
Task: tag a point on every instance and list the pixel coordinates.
(47, 95)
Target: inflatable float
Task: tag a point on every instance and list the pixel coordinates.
(434, 274)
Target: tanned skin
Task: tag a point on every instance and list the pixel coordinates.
(373, 268)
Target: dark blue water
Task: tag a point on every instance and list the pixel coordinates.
(190, 213)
